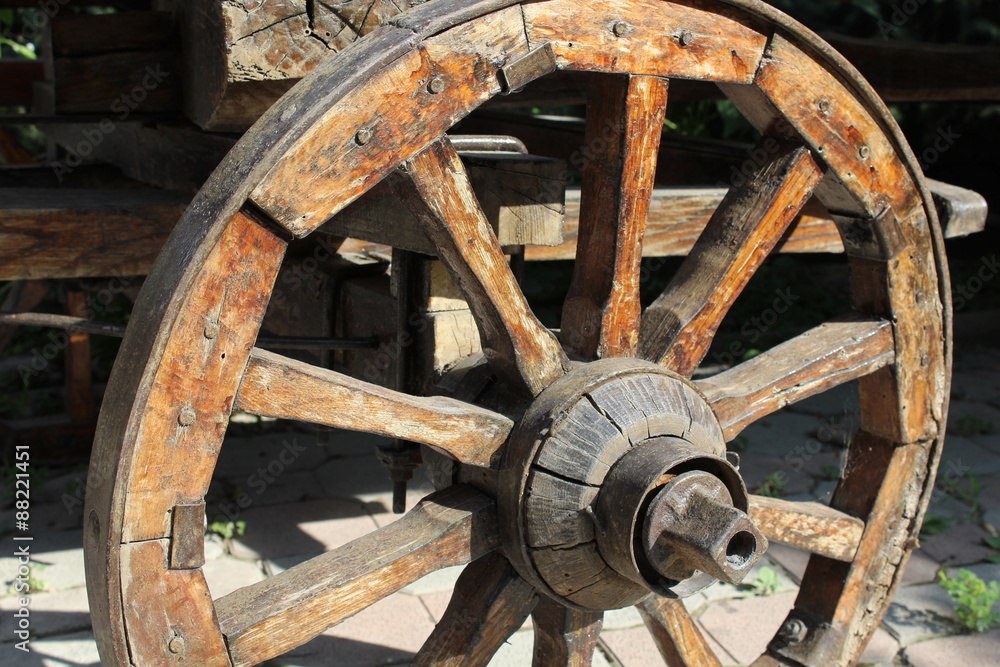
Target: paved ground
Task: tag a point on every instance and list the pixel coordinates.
(336, 491)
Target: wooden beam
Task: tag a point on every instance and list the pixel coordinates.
(57, 233)
(812, 527)
(19, 77)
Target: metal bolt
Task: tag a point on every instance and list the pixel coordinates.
(619, 28)
(794, 631)
(865, 152)
(363, 136)
(211, 330)
(824, 106)
(436, 85)
(685, 38)
(186, 417)
(176, 644)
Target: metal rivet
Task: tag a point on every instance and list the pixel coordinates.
(363, 136)
(824, 106)
(176, 644)
(186, 417)
(436, 85)
(865, 152)
(794, 631)
(619, 28)
(685, 38)
(211, 330)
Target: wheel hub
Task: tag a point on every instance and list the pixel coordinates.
(615, 485)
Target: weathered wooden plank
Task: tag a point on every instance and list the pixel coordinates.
(58, 233)
(243, 56)
(363, 137)
(677, 636)
(86, 34)
(490, 603)
(812, 527)
(518, 347)
(564, 637)
(276, 386)
(831, 354)
(678, 327)
(186, 421)
(960, 211)
(625, 35)
(261, 621)
(142, 81)
(19, 77)
(600, 317)
(187, 633)
(904, 71)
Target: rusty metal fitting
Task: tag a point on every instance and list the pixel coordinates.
(691, 525)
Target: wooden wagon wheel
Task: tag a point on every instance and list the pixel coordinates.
(568, 511)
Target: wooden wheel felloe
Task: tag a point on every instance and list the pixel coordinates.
(616, 379)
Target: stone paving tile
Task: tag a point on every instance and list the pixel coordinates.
(744, 627)
(225, 575)
(435, 582)
(73, 650)
(245, 460)
(59, 612)
(302, 528)
(792, 560)
(635, 648)
(621, 619)
(437, 603)
(957, 545)
(836, 402)
(972, 414)
(947, 506)
(976, 650)
(920, 612)
(989, 494)
(881, 649)
(968, 454)
(985, 571)
(365, 479)
(780, 434)
(920, 569)
(388, 632)
(991, 519)
(755, 469)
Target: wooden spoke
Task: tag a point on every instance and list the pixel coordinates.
(831, 354)
(678, 327)
(564, 637)
(451, 527)
(491, 601)
(812, 527)
(601, 314)
(276, 386)
(519, 348)
(676, 634)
